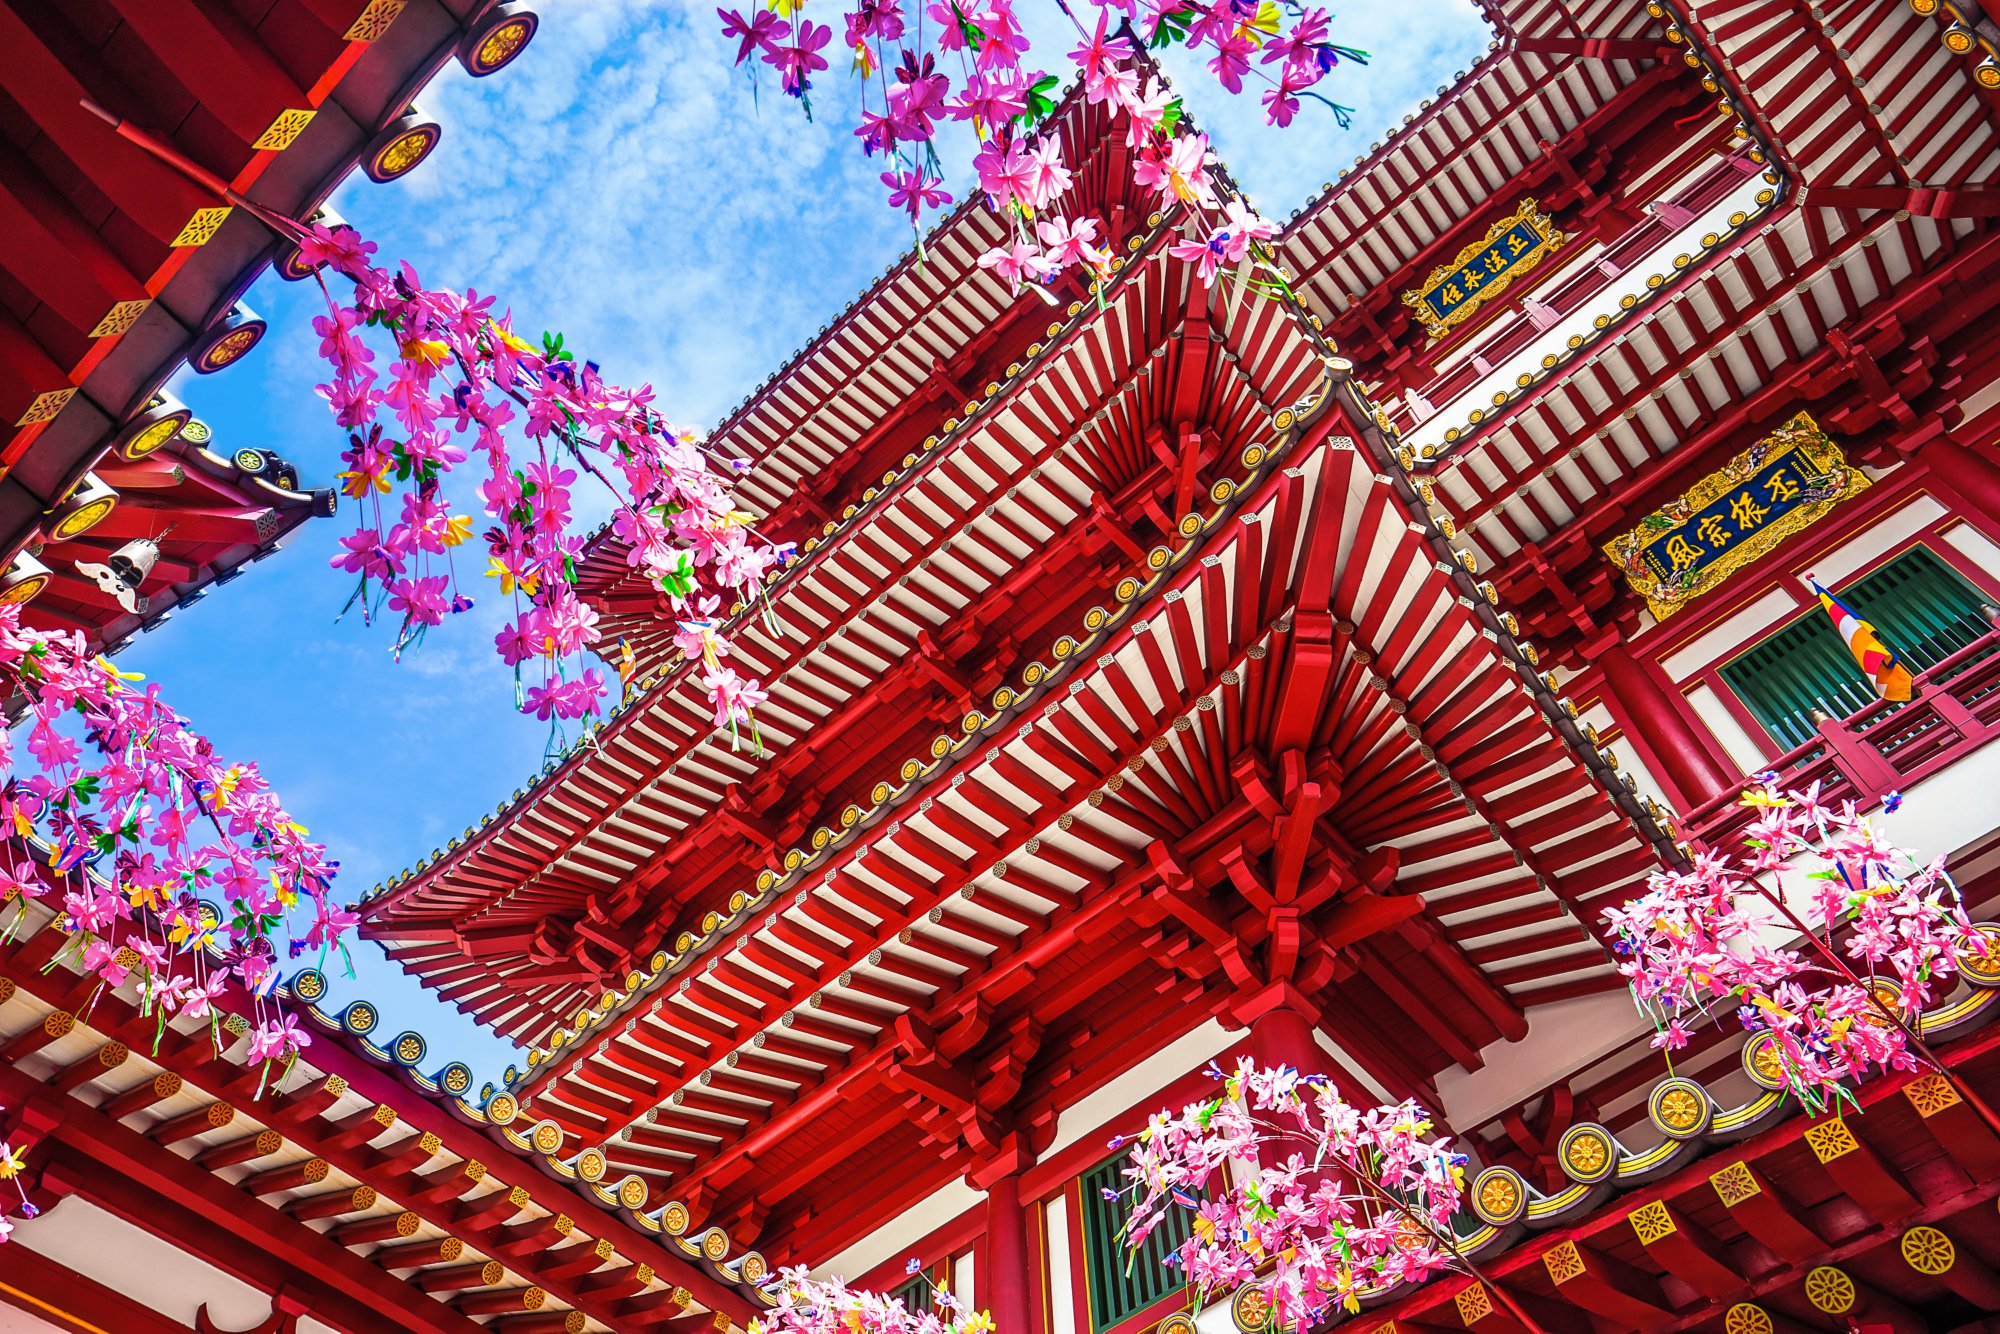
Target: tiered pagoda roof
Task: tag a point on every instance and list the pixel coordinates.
(1251, 725)
(1744, 303)
(523, 920)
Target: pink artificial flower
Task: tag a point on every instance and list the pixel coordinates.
(1006, 174)
(1099, 55)
(798, 62)
(913, 191)
(1070, 241)
(277, 1040)
(1206, 256)
(1046, 176)
(762, 31)
(1017, 263)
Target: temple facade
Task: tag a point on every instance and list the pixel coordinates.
(1173, 674)
(1180, 676)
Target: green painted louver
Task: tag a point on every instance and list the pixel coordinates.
(918, 1295)
(1922, 609)
(1123, 1283)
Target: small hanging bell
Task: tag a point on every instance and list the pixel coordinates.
(124, 570)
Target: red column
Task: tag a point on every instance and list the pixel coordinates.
(1687, 761)
(1284, 1036)
(1281, 1033)
(1970, 473)
(1005, 1275)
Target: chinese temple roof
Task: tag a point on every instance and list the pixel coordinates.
(375, 1182)
(911, 542)
(1666, 1199)
(1468, 823)
(1738, 267)
(119, 267)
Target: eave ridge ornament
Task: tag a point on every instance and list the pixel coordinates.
(1512, 247)
(1781, 484)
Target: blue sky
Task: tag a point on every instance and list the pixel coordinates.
(616, 183)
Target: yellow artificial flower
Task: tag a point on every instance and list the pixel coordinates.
(10, 1163)
(507, 336)
(457, 528)
(979, 1322)
(357, 483)
(509, 581)
(784, 8)
(427, 350)
(1265, 22)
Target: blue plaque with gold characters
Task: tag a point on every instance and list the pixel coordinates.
(1771, 490)
(1484, 269)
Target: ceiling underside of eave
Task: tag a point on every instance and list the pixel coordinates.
(1855, 94)
(1131, 759)
(1030, 470)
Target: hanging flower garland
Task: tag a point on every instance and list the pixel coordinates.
(1697, 943)
(460, 376)
(177, 870)
(1362, 1199)
(12, 1163)
(814, 1306)
(907, 60)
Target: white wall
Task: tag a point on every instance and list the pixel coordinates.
(132, 1261)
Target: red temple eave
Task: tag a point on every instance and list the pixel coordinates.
(1803, 300)
(985, 860)
(1391, 216)
(1782, 299)
(341, 1137)
(118, 267)
(1849, 1217)
(918, 555)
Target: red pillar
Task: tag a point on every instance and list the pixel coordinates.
(1006, 1273)
(1971, 474)
(1004, 1280)
(1662, 728)
(1284, 1036)
(1281, 1033)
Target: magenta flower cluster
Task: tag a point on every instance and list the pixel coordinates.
(806, 1305)
(1828, 938)
(173, 869)
(1348, 1199)
(969, 61)
(458, 380)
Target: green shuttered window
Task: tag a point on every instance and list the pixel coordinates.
(1122, 1284)
(1922, 609)
(918, 1295)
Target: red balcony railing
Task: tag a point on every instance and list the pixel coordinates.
(1884, 747)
